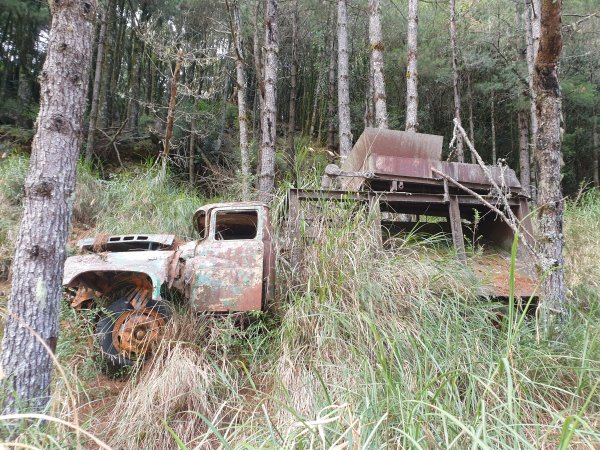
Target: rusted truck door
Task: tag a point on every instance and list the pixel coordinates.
(228, 263)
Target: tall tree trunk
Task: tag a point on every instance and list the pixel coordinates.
(596, 151)
(291, 151)
(369, 116)
(89, 150)
(192, 154)
(524, 162)
(315, 108)
(493, 126)
(376, 44)
(460, 156)
(24, 89)
(550, 200)
(471, 121)
(133, 108)
(171, 113)
(108, 61)
(257, 55)
(266, 181)
(34, 302)
(532, 33)
(223, 121)
(344, 119)
(241, 85)
(331, 97)
(412, 96)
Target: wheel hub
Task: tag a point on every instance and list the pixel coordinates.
(136, 333)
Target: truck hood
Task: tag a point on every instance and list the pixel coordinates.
(155, 264)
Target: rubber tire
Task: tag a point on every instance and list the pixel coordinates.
(113, 359)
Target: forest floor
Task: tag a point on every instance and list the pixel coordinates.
(365, 349)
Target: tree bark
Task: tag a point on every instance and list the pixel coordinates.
(532, 33)
(455, 79)
(344, 119)
(171, 113)
(192, 154)
(240, 72)
(524, 162)
(493, 127)
(471, 121)
(412, 96)
(34, 303)
(315, 108)
(291, 151)
(596, 152)
(96, 89)
(266, 181)
(376, 44)
(331, 97)
(550, 199)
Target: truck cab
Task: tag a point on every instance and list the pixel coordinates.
(229, 268)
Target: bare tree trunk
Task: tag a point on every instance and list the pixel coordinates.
(524, 163)
(315, 109)
(291, 151)
(596, 151)
(192, 154)
(24, 91)
(241, 85)
(34, 303)
(344, 119)
(257, 54)
(133, 107)
(493, 126)
(107, 72)
(223, 121)
(460, 156)
(532, 33)
(369, 116)
(550, 199)
(471, 122)
(171, 113)
(412, 96)
(266, 180)
(331, 98)
(89, 150)
(376, 44)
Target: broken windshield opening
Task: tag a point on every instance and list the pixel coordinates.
(232, 225)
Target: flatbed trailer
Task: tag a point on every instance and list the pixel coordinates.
(398, 175)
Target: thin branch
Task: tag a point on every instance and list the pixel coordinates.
(514, 225)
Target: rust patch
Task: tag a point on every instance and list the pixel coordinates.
(494, 272)
(137, 332)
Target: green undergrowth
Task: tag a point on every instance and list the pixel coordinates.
(364, 347)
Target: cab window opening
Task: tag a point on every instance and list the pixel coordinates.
(234, 225)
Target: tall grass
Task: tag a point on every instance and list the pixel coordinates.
(365, 348)
(370, 348)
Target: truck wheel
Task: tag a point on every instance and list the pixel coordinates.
(127, 336)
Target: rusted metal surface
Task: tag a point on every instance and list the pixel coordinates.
(136, 333)
(493, 270)
(154, 264)
(409, 157)
(219, 272)
(227, 276)
(394, 172)
(128, 242)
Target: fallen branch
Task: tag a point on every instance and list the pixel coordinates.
(486, 171)
(514, 225)
(114, 144)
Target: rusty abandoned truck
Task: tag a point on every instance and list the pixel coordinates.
(231, 266)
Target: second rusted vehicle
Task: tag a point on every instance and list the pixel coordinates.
(229, 268)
